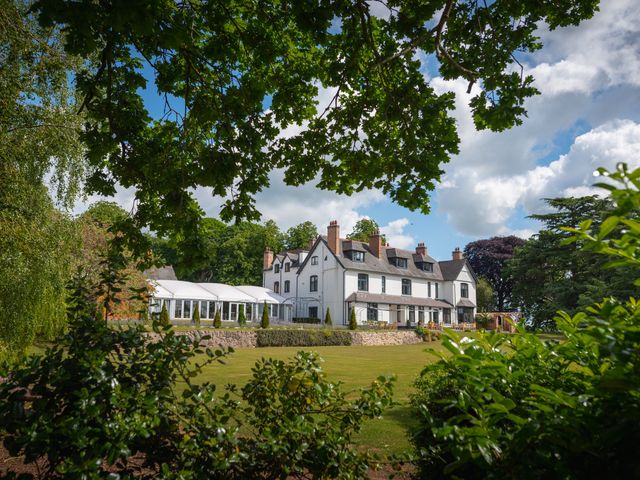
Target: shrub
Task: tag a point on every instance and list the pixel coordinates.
(99, 396)
(217, 321)
(242, 318)
(519, 406)
(482, 320)
(195, 318)
(264, 323)
(164, 315)
(353, 323)
(302, 338)
(327, 319)
(312, 320)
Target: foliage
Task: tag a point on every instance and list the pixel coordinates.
(101, 395)
(488, 259)
(165, 320)
(235, 79)
(264, 322)
(353, 323)
(521, 407)
(301, 236)
(242, 318)
(37, 244)
(217, 321)
(363, 229)
(327, 319)
(195, 318)
(302, 338)
(313, 320)
(484, 295)
(551, 275)
(482, 320)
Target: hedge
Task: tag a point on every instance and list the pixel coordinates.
(301, 338)
(305, 320)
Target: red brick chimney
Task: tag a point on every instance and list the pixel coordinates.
(375, 243)
(457, 254)
(421, 249)
(333, 236)
(267, 258)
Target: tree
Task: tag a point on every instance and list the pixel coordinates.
(301, 236)
(242, 318)
(217, 321)
(353, 323)
(327, 319)
(265, 316)
(164, 315)
(384, 126)
(550, 275)
(195, 318)
(484, 295)
(488, 258)
(363, 229)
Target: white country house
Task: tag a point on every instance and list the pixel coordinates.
(382, 284)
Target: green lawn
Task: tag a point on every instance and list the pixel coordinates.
(356, 367)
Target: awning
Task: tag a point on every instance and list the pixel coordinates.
(465, 302)
(365, 297)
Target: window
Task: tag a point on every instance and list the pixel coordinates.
(465, 314)
(426, 266)
(406, 286)
(276, 287)
(234, 312)
(276, 268)
(464, 290)
(363, 282)
(437, 294)
(313, 283)
(287, 267)
(225, 310)
(177, 313)
(412, 313)
(384, 284)
(249, 312)
(429, 289)
(435, 316)
(372, 312)
(314, 260)
(203, 309)
(400, 262)
(212, 309)
(287, 286)
(421, 315)
(313, 312)
(274, 310)
(187, 309)
(357, 256)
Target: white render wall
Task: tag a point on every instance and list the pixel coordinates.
(270, 278)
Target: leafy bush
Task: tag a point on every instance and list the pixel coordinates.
(217, 321)
(483, 320)
(312, 320)
(164, 315)
(100, 396)
(427, 335)
(302, 338)
(327, 319)
(517, 406)
(264, 323)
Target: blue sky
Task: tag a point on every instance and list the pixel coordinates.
(587, 116)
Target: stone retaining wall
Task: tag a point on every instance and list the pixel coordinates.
(248, 338)
(385, 338)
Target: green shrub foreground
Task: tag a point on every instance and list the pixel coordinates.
(100, 396)
(517, 406)
(302, 338)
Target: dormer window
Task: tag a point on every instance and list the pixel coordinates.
(357, 256)
(399, 262)
(287, 267)
(425, 266)
(276, 268)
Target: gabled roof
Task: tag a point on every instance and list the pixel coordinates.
(262, 294)
(452, 268)
(226, 292)
(293, 255)
(465, 302)
(180, 289)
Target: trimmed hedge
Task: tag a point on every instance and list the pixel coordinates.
(305, 320)
(302, 338)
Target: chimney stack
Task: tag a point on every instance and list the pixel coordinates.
(457, 254)
(421, 249)
(333, 236)
(375, 243)
(267, 258)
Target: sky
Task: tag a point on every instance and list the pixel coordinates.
(587, 116)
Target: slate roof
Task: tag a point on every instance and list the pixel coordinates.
(465, 302)
(452, 268)
(294, 256)
(366, 297)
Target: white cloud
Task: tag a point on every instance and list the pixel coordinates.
(395, 234)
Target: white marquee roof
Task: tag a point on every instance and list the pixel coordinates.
(181, 289)
(227, 293)
(262, 294)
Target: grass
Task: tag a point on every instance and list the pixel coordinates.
(355, 367)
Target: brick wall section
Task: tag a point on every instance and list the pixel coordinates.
(247, 338)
